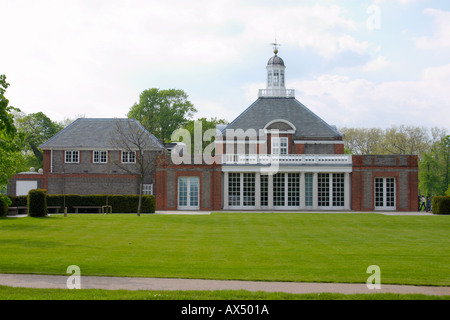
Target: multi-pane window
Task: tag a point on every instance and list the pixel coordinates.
(249, 189)
(308, 189)
(279, 145)
(338, 190)
(323, 191)
(100, 157)
(385, 193)
(128, 157)
(331, 190)
(147, 189)
(293, 189)
(72, 157)
(264, 190)
(234, 189)
(276, 78)
(279, 190)
(269, 79)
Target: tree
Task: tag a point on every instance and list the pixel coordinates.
(9, 140)
(37, 128)
(205, 126)
(434, 168)
(361, 140)
(161, 112)
(133, 139)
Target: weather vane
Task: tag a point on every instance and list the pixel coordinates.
(275, 46)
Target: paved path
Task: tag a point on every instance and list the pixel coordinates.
(130, 283)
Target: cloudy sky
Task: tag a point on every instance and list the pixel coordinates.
(356, 63)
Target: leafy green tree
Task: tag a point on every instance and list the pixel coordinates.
(161, 112)
(36, 128)
(205, 126)
(9, 143)
(434, 169)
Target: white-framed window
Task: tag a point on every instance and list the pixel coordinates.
(72, 157)
(128, 157)
(100, 157)
(280, 145)
(234, 189)
(276, 78)
(147, 189)
(331, 190)
(269, 79)
(385, 194)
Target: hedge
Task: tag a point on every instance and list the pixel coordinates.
(37, 203)
(4, 203)
(119, 203)
(441, 205)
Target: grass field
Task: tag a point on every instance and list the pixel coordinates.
(411, 250)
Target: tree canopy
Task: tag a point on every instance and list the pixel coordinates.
(36, 128)
(161, 112)
(9, 140)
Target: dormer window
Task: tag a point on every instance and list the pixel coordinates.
(280, 145)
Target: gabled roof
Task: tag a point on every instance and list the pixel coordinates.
(265, 110)
(85, 133)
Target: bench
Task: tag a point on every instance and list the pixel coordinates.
(13, 211)
(98, 208)
(53, 209)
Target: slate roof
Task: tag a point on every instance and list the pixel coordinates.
(265, 110)
(91, 133)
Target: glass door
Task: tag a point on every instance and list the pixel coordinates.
(385, 194)
(188, 193)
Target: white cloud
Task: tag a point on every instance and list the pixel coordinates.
(381, 62)
(95, 57)
(343, 101)
(441, 38)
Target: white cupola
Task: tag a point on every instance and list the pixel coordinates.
(275, 72)
(275, 82)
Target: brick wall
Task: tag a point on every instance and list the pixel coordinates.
(166, 184)
(366, 168)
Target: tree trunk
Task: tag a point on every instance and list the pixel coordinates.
(141, 186)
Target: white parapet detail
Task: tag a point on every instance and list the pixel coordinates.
(295, 159)
(276, 93)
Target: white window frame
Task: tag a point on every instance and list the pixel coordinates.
(100, 158)
(128, 157)
(385, 193)
(147, 189)
(72, 156)
(280, 145)
(331, 190)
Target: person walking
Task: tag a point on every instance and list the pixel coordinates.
(423, 204)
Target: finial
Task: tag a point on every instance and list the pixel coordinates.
(275, 46)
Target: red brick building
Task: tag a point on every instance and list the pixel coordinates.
(279, 155)
(276, 155)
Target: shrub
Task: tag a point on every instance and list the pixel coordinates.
(37, 203)
(119, 203)
(4, 204)
(441, 205)
(18, 201)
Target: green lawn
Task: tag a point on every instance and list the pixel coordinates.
(250, 246)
